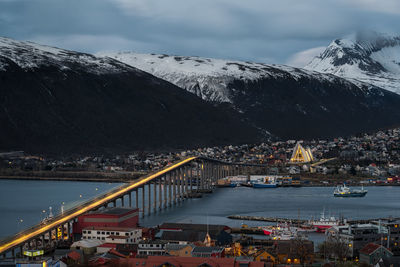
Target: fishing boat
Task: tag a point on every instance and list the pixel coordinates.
(344, 191)
(324, 222)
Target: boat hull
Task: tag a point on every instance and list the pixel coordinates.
(264, 185)
(353, 194)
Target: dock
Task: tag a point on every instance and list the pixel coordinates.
(298, 221)
(265, 219)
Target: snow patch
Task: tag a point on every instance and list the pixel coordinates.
(210, 78)
(28, 55)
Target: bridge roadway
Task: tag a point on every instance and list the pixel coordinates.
(177, 181)
(83, 208)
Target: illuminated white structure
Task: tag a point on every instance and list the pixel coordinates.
(301, 155)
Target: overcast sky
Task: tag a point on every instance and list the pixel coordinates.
(270, 31)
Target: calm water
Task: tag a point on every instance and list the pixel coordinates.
(22, 202)
(27, 199)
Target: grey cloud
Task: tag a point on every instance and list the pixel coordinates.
(260, 30)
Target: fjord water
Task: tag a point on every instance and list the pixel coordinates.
(22, 202)
(26, 200)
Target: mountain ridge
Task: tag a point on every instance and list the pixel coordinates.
(60, 101)
(368, 57)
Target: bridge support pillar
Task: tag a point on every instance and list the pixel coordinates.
(122, 201)
(62, 231)
(165, 191)
(143, 201)
(187, 177)
(200, 184)
(42, 241)
(178, 185)
(207, 176)
(159, 193)
(130, 199)
(13, 253)
(137, 198)
(170, 189)
(115, 203)
(149, 204)
(174, 174)
(155, 196)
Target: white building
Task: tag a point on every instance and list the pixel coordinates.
(149, 247)
(114, 235)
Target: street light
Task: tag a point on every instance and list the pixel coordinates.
(19, 221)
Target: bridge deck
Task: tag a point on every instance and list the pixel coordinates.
(83, 208)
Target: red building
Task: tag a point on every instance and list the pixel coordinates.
(109, 217)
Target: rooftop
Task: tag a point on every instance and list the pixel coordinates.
(111, 228)
(113, 211)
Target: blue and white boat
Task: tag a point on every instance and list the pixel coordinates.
(265, 183)
(344, 191)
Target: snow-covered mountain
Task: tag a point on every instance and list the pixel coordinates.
(288, 102)
(211, 78)
(368, 57)
(60, 101)
(29, 55)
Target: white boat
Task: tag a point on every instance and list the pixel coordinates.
(324, 222)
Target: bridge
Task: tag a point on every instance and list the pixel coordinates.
(175, 183)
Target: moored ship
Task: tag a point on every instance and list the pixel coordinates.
(265, 183)
(344, 191)
(324, 223)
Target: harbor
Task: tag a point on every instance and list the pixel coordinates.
(258, 205)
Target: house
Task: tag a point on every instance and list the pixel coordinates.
(263, 255)
(294, 251)
(118, 235)
(393, 227)
(105, 258)
(184, 250)
(356, 236)
(389, 262)
(184, 233)
(210, 228)
(150, 247)
(108, 217)
(208, 252)
(173, 261)
(183, 237)
(372, 253)
(87, 246)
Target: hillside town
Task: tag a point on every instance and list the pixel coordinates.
(370, 158)
(113, 237)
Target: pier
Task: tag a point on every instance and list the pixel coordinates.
(299, 221)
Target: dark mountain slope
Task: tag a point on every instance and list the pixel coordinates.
(61, 106)
(288, 102)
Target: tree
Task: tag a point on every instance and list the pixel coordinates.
(336, 247)
(301, 248)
